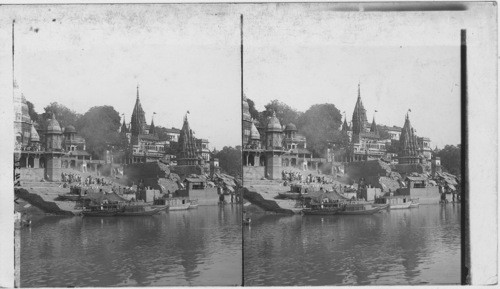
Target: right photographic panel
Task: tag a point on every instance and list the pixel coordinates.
(355, 139)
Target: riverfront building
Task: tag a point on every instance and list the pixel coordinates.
(145, 144)
(270, 148)
(45, 151)
(370, 141)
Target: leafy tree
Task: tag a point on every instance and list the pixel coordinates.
(315, 124)
(99, 126)
(340, 139)
(253, 111)
(31, 111)
(284, 113)
(64, 115)
(384, 134)
(230, 160)
(451, 159)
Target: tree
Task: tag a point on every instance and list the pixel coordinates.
(64, 115)
(284, 113)
(383, 133)
(230, 160)
(251, 107)
(340, 138)
(316, 123)
(451, 159)
(99, 126)
(31, 111)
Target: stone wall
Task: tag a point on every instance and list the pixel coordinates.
(34, 175)
(356, 170)
(184, 171)
(253, 173)
(409, 168)
(429, 195)
(135, 172)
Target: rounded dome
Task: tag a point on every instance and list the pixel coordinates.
(53, 125)
(291, 126)
(70, 129)
(274, 124)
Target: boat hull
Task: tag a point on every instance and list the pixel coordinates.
(321, 212)
(361, 212)
(143, 213)
(400, 206)
(179, 208)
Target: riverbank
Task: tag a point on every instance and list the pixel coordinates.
(263, 193)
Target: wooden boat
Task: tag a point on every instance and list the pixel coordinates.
(394, 202)
(400, 206)
(289, 195)
(178, 204)
(381, 207)
(358, 209)
(193, 204)
(119, 210)
(139, 211)
(161, 207)
(414, 203)
(179, 207)
(324, 209)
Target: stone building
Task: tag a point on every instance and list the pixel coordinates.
(53, 150)
(366, 142)
(408, 146)
(270, 148)
(186, 152)
(144, 143)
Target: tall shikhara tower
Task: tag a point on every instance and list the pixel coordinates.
(138, 122)
(359, 120)
(186, 154)
(408, 146)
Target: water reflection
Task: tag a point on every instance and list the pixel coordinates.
(416, 246)
(196, 247)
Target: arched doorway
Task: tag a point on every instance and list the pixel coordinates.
(262, 160)
(73, 164)
(42, 162)
(294, 162)
(22, 161)
(31, 162)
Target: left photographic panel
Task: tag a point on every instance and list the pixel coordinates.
(126, 144)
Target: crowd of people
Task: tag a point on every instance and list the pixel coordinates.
(290, 176)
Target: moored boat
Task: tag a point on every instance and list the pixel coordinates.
(322, 209)
(139, 211)
(394, 202)
(400, 206)
(414, 203)
(193, 204)
(119, 210)
(358, 209)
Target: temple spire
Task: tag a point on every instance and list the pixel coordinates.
(152, 129)
(359, 119)
(373, 127)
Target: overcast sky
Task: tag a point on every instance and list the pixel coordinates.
(187, 57)
(310, 54)
(184, 57)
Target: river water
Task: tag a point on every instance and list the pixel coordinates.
(412, 246)
(195, 247)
